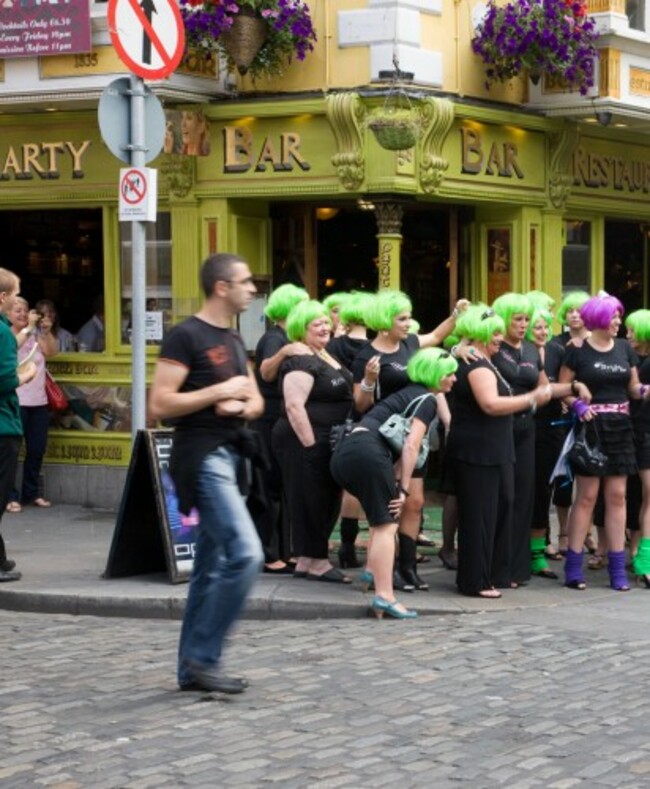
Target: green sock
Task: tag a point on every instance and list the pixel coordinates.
(641, 562)
(537, 554)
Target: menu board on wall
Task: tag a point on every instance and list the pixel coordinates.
(33, 28)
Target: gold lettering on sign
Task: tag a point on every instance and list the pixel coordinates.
(639, 81)
(610, 172)
(472, 153)
(238, 146)
(501, 159)
(42, 159)
(384, 264)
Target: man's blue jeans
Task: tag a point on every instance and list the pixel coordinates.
(228, 557)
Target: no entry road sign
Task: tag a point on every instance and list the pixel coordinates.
(148, 35)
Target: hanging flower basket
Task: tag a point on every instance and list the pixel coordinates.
(244, 39)
(395, 131)
(551, 37)
(257, 37)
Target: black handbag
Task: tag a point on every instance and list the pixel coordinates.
(587, 458)
(339, 432)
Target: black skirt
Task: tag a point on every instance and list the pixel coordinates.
(616, 439)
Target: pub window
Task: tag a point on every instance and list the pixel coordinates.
(158, 256)
(58, 255)
(576, 256)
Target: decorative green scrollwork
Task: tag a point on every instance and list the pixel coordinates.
(562, 146)
(437, 117)
(346, 114)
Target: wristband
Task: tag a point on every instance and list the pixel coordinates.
(400, 490)
(533, 405)
(366, 387)
(454, 350)
(579, 407)
(574, 387)
(455, 312)
(642, 390)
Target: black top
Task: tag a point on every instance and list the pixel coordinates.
(519, 366)
(344, 349)
(397, 402)
(269, 344)
(474, 436)
(392, 366)
(330, 399)
(553, 357)
(211, 356)
(606, 373)
(640, 409)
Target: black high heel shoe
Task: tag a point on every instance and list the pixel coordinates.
(643, 580)
(348, 558)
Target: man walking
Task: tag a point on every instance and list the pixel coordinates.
(11, 428)
(202, 384)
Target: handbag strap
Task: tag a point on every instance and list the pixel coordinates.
(417, 403)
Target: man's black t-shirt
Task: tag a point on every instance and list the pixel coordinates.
(211, 355)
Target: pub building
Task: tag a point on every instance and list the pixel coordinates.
(523, 187)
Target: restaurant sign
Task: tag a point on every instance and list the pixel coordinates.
(33, 28)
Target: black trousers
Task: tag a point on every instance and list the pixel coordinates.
(36, 421)
(311, 496)
(9, 448)
(485, 502)
(271, 525)
(548, 445)
(522, 516)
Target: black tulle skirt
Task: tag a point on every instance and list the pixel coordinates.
(616, 438)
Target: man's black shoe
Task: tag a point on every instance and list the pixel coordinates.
(211, 680)
(10, 575)
(7, 565)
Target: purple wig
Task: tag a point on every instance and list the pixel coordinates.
(599, 311)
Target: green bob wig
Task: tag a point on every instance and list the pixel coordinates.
(572, 301)
(429, 366)
(301, 316)
(282, 300)
(540, 314)
(385, 306)
(639, 322)
(541, 300)
(512, 304)
(335, 301)
(354, 308)
(480, 323)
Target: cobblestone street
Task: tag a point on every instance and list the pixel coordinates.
(551, 697)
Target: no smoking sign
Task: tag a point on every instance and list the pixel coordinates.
(138, 194)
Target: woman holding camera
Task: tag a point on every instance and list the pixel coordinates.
(35, 341)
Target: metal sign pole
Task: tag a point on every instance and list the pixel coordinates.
(139, 270)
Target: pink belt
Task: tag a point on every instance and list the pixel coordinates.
(610, 408)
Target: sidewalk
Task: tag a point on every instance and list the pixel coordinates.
(62, 554)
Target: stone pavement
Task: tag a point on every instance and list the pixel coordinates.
(62, 553)
(535, 697)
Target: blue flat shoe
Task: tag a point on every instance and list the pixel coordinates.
(380, 606)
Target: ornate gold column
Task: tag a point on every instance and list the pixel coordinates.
(389, 226)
